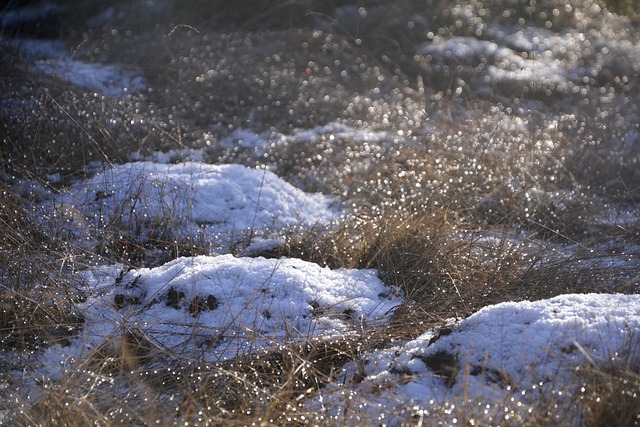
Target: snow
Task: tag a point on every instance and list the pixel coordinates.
(503, 63)
(341, 131)
(514, 350)
(52, 58)
(262, 144)
(216, 308)
(175, 155)
(510, 56)
(243, 138)
(105, 79)
(223, 204)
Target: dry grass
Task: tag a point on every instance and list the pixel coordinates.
(268, 388)
(36, 298)
(610, 394)
(449, 267)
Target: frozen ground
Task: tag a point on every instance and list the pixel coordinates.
(227, 303)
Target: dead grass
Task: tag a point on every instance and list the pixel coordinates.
(610, 397)
(448, 267)
(36, 298)
(270, 387)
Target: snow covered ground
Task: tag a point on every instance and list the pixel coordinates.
(499, 362)
(503, 360)
(213, 309)
(55, 60)
(222, 206)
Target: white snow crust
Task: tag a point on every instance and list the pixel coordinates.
(216, 308)
(513, 352)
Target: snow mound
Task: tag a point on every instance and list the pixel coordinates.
(517, 352)
(223, 204)
(216, 308)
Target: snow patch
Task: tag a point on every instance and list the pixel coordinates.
(216, 308)
(519, 350)
(223, 204)
(53, 59)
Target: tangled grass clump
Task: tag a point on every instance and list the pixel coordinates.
(37, 298)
